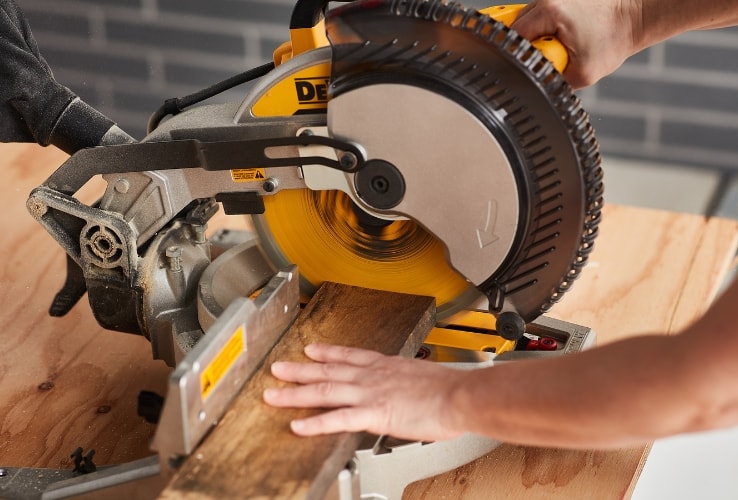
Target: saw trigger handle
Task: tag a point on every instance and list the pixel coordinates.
(308, 13)
(307, 29)
(551, 48)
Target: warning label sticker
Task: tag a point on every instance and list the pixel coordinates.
(218, 367)
(248, 174)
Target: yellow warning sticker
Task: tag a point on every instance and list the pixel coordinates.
(214, 372)
(248, 174)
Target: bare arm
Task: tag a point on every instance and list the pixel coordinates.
(621, 394)
(600, 35)
(624, 393)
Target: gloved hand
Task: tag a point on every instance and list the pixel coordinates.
(34, 107)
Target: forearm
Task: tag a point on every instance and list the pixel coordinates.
(608, 397)
(624, 393)
(662, 19)
(600, 35)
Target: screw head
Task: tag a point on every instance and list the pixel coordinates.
(174, 252)
(348, 160)
(122, 186)
(270, 185)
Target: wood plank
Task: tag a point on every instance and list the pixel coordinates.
(252, 453)
(64, 382)
(651, 271)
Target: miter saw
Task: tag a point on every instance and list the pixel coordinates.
(414, 146)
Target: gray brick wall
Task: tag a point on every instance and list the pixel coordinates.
(126, 56)
(675, 103)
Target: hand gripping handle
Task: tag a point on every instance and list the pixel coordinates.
(551, 48)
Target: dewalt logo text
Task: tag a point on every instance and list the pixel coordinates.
(312, 90)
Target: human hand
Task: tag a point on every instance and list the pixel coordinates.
(598, 35)
(368, 391)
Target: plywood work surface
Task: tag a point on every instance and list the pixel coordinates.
(65, 382)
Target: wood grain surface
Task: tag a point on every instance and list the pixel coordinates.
(252, 453)
(65, 382)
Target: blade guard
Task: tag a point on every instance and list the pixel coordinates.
(307, 32)
(527, 105)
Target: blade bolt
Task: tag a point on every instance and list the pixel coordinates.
(174, 256)
(270, 185)
(347, 160)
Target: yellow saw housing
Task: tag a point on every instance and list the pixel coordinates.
(323, 233)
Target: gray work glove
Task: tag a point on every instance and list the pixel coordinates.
(34, 107)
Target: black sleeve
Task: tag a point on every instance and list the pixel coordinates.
(34, 107)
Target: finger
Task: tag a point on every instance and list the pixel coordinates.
(531, 24)
(323, 394)
(334, 421)
(526, 8)
(578, 80)
(309, 373)
(328, 353)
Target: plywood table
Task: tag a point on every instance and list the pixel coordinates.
(65, 382)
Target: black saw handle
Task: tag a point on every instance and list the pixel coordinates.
(34, 107)
(308, 13)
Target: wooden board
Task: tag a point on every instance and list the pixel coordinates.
(252, 453)
(65, 382)
(651, 272)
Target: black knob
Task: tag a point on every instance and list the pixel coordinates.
(380, 184)
(510, 326)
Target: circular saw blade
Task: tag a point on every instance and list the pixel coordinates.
(530, 113)
(330, 239)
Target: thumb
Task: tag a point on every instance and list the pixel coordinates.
(533, 23)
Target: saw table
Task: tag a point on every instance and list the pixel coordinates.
(67, 383)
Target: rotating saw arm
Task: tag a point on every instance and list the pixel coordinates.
(408, 146)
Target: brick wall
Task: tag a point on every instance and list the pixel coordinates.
(675, 103)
